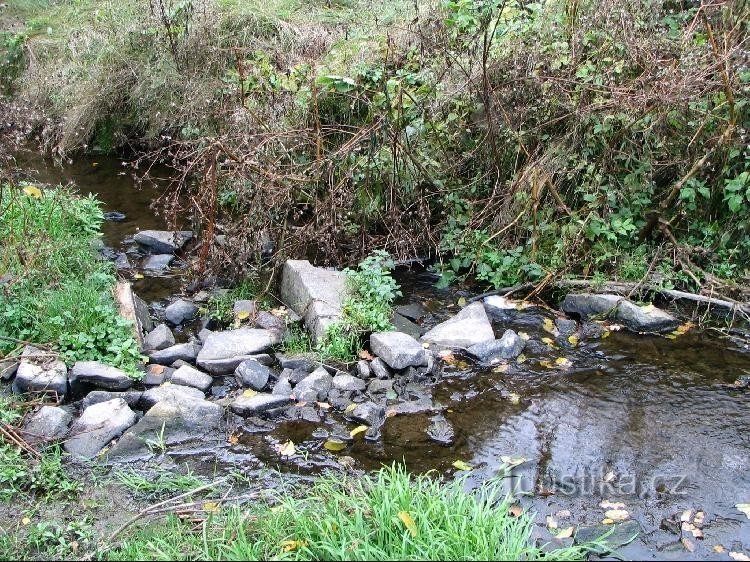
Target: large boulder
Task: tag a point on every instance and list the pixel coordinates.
(99, 375)
(222, 352)
(97, 426)
(469, 327)
(182, 422)
(38, 373)
(316, 294)
(169, 391)
(632, 316)
(182, 351)
(509, 346)
(314, 386)
(397, 349)
(163, 241)
(47, 424)
(159, 338)
(250, 405)
(190, 376)
(181, 311)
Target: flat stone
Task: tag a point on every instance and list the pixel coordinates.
(157, 374)
(314, 293)
(314, 386)
(469, 327)
(190, 376)
(141, 313)
(99, 375)
(169, 391)
(122, 261)
(346, 382)
(185, 351)
(509, 346)
(566, 326)
(282, 388)
(158, 262)
(49, 378)
(363, 369)
(587, 305)
(163, 241)
(397, 349)
(380, 369)
(268, 321)
(251, 374)
(181, 311)
(249, 405)
(297, 375)
(160, 337)
(49, 423)
(402, 324)
(184, 423)
(303, 361)
(97, 426)
(132, 397)
(634, 317)
(223, 351)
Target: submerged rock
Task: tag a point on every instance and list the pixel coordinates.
(249, 405)
(441, 431)
(469, 327)
(509, 346)
(158, 262)
(159, 338)
(190, 376)
(97, 426)
(397, 349)
(618, 535)
(99, 375)
(251, 374)
(182, 351)
(636, 318)
(222, 352)
(369, 413)
(314, 386)
(181, 311)
(163, 241)
(49, 423)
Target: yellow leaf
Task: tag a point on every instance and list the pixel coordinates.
(25, 521)
(617, 514)
(462, 301)
(242, 315)
(573, 340)
(523, 335)
(358, 429)
(513, 461)
(501, 368)
(324, 405)
(461, 465)
(210, 507)
(33, 191)
(249, 393)
(521, 358)
(744, 508)
(565, 533)
(718, 548)
(288, 546)
(287, 449)
(607, 521)
(408, 522)
(138, 276)
(605, 334)
(551, 522)
(549, 326)
(549, 341)
(546, 364)
(233, 439)
(563, 362)
(277, 509)
(334, 446)
(514, 398)
(350, 408)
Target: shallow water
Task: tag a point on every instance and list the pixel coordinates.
(651, 422)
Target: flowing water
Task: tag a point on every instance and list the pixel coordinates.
(657, 424)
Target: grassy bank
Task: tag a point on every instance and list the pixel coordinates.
(56, 290)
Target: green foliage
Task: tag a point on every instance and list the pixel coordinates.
(44, 478)
(362, 518)
(56, 540)
(220, 304)
(340, 342)
(296, 341)
(155, 486)
(60, 290)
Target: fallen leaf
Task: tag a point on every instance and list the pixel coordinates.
(606, 504)
(514, 398)
(718, 548)
(324, 405)
(233, 439)
(738, 556)
(606, 334)
(688, 544)
(408, 522)
(524, 336)
(549, 326)
(280, 312)
(607, 521)
(617, 514)
(686, 515)
(551, 522)
(699, 518)
(744, 508)
(288, 546)
(565, 533)
(277, 509)
(563, 362)
(25, 521)
(549, 341)
(521, 358)
(138, 276)
(512, 461)
(287, 449)
(390, 412)
(350, 408)
(515, 510)
(461, 465)
(366, 355)
(573, 340)
(334, 445)
(249, 393)
(546, 364)
(462, 302)
(33, 191)
(501, 368)
(210, 507)
(242, 315)
(358, 429)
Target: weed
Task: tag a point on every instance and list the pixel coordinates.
(44, 478)
(162, 484)
(296, 341)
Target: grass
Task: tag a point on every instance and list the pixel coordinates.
(59, 290)
(391, 515)
(163, 484)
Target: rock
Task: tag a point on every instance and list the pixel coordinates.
(185, 351)
(412, 311)
(370, 414)
(313, 387)
(8, 368)
(314, 293)
(441, 431)
(179, 363)
(190, 376)
(140, 311)
(114, 216)
(469, 327)
(566, 326)
(297, 376)
(188, 423)
(592, 331)
(49, 423)
(97, 426)
(304, 361)
(380, 369)
(406, 326)
(363, 369)
(49, 377)
(509, 346)
(98, 375)
(411, 407)
(158, 262)
(122, 261)
(132, 397)
(282, 388)
(169, 391)
(262, 358)
(499, 308)
(305, 413)
(223, 351)
(163, 241)
(634, 317)
(181, 311)
(621, 534)
(397, 349)
(160, 337)
(251, 374)
(249, 405)
(245, 308)
(343, 381)
(203, 334)
(378, 386)
(157, 374)
(268, 321)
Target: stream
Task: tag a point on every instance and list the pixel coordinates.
(656, 424)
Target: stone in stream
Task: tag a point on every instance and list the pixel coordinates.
(122, 261)
(186, 351)
(634, 317)
(157, 374)
(397, 349)
(190, 376)
(163, 241)
(223, 351)
(250, 405)
(304, 361)
(282, 388)
(380, 369)
(49, 423)
(406, 326)
(193, 424)
(566, 327)
(370, 414)
(313, 387)
(42, 375)
(509, 346)
(132, 397)
(159, 338)
(363, 369)
(412, 311)
(314, 293)
(169, 391)
(346, 382)
(469, 327)
(99, 375)
(251, 374)
(157, 262)
(500, 308)
(441, 431)
(97, 426)
(181, 311)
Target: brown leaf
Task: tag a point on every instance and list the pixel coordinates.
(366, 355)
(515, 510)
